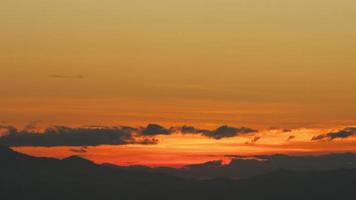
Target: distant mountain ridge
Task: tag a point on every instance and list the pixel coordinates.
(26, 177)
(242, 168)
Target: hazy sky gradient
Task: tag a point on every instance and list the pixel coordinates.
(258, 63)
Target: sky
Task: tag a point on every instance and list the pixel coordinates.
(264, 64)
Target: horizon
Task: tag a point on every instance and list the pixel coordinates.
(157, 146)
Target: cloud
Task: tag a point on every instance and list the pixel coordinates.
(227, 131)
(65, 136)
(342, 134)
(287, 130)
(254, 140)
(219, 133)
(82, 149)
(59, 76)
(9, 129)
(290, 138)
(32, 125)
(102, 135)
(191, 129)
(155, 129)
(147, 141)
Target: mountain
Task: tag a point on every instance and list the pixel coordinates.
(26, 177)
(244, 168)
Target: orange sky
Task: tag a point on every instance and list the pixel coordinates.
(260, 64)
(178, 150)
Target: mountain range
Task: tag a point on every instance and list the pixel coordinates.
(269, 177)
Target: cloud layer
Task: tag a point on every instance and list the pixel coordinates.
(342, 134)
(65, 136)
(99, 135)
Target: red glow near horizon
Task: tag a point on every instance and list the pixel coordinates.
(179, 150)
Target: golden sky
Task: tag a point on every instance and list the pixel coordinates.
(178, 150)
(255, 63)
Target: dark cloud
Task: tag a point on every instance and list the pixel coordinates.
(59, 76)
(227, 131)
(219, 133)
(290, 138)
(82, 149)
(65, 136)
(155, 129)
(194, 130)
(342, 134)
(147, 141)
(102, 135)
(254, 140)
(287, 130)
(191, 129)
(31, 126)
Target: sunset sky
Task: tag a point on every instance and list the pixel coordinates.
(284, 68)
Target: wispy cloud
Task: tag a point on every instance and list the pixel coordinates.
(31, 125)
(342, 134)
(290, 138)
(61, 76)
(254, 140)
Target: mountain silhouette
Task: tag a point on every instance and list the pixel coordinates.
(77, 161)
(244, 168)
(73, 178)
